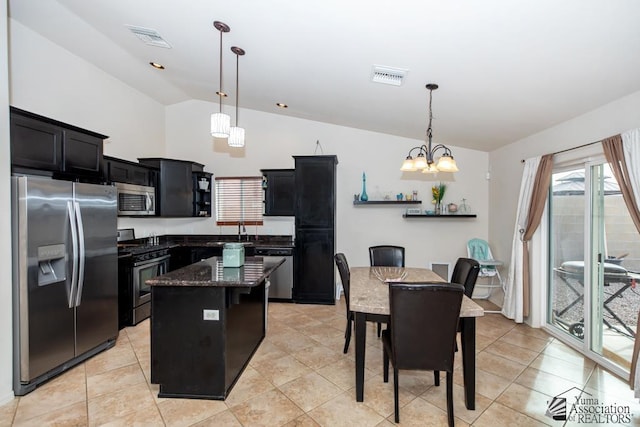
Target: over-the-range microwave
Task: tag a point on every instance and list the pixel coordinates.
(135, 200)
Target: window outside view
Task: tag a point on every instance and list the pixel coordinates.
(616, 299)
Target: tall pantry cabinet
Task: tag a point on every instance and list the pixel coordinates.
(315, 211)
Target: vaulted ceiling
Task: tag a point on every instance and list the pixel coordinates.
(506, 69)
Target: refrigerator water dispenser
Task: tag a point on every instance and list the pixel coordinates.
(52, 266)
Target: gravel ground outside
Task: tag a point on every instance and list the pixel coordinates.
(625, 305)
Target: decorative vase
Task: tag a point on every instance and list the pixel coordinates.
(437, 208)
(363, 195)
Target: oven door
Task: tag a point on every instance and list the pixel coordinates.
(143, 271)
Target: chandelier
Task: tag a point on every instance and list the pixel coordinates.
(424, 160)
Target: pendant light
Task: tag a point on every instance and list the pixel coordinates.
(236, 134)
(220, 122)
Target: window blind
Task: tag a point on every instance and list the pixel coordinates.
(239, 200)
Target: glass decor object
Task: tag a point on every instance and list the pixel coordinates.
(464, 208)
(437, 191)
(363, 195)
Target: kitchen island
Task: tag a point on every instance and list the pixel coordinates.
(206, 322)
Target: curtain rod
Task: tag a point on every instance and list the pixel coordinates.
(570, 149)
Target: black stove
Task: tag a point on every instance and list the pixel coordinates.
(138, 261)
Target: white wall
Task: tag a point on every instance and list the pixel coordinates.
(51, 81)
(6, 354)
(272, 140)
(506, 168)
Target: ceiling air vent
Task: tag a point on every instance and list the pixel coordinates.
(149, 36)
(388, 75)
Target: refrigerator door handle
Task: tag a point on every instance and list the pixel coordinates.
(74, 253)
(81, 253)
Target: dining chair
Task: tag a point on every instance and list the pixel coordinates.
(345, 277)
(386, 256)
(422, 333)
(465, 273)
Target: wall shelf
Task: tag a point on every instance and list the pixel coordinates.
(441, 216)
(387, 202)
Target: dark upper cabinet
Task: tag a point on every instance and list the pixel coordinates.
(202, 183)
(43, 144)
(174, 187)
(315, 208)
(81, 153)
(119, 170)
(279, 192)
(315, 186)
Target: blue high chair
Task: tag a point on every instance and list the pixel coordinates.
(479, 250)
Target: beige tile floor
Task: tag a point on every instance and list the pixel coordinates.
(300, 377)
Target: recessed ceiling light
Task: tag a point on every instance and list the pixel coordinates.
(222, 94)
(156, 65)
(282, 105)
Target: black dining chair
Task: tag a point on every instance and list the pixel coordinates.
(422, 333)
(386, 256)
(345, 277)
(466, 273)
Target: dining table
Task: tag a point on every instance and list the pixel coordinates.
(369, 301)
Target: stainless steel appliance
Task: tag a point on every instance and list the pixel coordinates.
(136, 200)
(65, 291)
(138, 262)
(281, 279)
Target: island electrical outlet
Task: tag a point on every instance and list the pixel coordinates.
(210, 314)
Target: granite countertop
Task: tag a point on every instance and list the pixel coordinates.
(212, 240)
(207, 241)
(220, 240)
(210, 272)
(368, 294)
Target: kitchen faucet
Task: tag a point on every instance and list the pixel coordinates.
(244, 230)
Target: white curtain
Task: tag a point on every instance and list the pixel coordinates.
(631, 149)
(512, 307)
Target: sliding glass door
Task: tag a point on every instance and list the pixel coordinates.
(592, 302)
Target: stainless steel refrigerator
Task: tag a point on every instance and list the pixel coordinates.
(65, 276)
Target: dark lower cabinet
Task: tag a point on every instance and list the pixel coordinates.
(193, 357)
(315, 209)
(125, 292)
(182, 256)
(313, 267)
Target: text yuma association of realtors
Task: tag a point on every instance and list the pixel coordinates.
(588, 410)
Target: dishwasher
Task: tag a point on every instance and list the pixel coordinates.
(281, 288)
